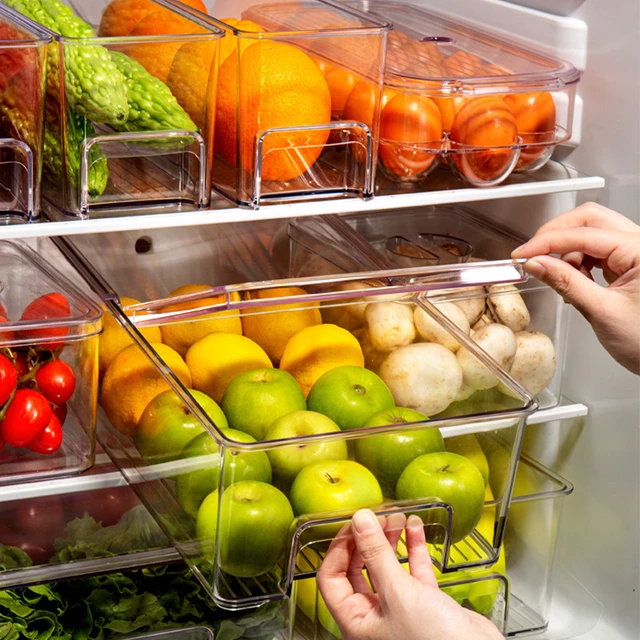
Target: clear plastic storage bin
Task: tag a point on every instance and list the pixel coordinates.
(22, 70)
(49, 383)
(128, 120)
(278, 136)
(483, 105)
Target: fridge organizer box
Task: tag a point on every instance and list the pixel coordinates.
(22, 73)
(143, 137)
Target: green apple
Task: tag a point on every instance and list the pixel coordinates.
(193, 487)
(349, 396)
(288, 461)
(387, 455)
(256, 398)
(467, 445)
(450, 478)
(252, 532)
(333, 486)
(167, 425)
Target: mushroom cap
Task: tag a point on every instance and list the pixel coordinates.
(390, 325)
(432, 331)
(508, 307)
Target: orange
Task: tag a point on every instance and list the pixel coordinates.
(121, 16)
(229, 43)
(410, 135)
(322, 64)
(462, 65)
(340, 82)
(483, 122)
(280, 86)
(157, 57)
(448, 108)
(535, 115)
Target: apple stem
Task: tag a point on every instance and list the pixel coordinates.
(445, 468)
(330, 477)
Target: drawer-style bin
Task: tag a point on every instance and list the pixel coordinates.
(22, 71)
(128, 121)
(275, 136)
(49, 383)
(535, 316)
(480, 104)
(291, 462)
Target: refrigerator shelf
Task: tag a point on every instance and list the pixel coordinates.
(552, 178)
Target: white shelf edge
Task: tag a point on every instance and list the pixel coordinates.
(569, 180)
(111, 479)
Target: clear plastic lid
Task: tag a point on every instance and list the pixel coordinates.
(38, 303)
(430, 52)
(16, 31)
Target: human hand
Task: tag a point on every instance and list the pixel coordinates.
(408, 606)
(589, 237)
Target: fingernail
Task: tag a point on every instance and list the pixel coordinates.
(364, 521)
(415, 522)
(518, 251)
(534, 268)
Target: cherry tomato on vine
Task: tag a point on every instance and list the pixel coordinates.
(60, 412)
(22, 363)
(28, 414)
(8, 379)
(5, 336)
(47, 307)
(56, 381)
(2, 442)
(48, 440)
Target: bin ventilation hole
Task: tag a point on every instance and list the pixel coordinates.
(144, 244)
(437, 39)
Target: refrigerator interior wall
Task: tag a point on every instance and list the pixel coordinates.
(600, 453)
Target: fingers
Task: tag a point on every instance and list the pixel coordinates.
(393, 526)
(420, 564)
(582, 292)
(590, 214)
(333, 579)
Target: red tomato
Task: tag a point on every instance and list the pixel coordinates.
(5, 336)
(22, 364)
(535, 115)
(410, 135)
(56, 381)
(40, 553)
(340, 82)
(49, 439)
(8, 379)
(483, 122)
(60, 412)
(2, 442)
(28, 414)
(104, 505)
(3, 312)
(47, 307)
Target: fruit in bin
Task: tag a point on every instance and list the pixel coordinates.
(255, 399)
(487, 123)
(318, 349)
(422, 376)
(410, 135)
(387, 455)
(497, 341)
(229, 44)
(333, 486)
(50, 306)
(167, 425)
(182, 335)
(217, 359)
(372, 357)
(193, 487)
(272, 326)
(462, 64)
(310, 601)
(448, 108)
(60, 411)
(8, 379)
(56, 381)
(103, 505)
(349, 396)
(280, 87)
(341, 82)
(114, 338)
(131, 381)
(467, 445)
(38, 520)
(535, 115)
(25, 418)
(288, 461)
(49, 440)
(254, 528)
(121, 16)
(450, 478)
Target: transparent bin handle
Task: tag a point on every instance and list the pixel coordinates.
(20, 148)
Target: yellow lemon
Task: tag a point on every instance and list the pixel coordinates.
(114, 338)
(131, 381)
(272, 326)
(181, 335)
(318, 349)
(215, 360)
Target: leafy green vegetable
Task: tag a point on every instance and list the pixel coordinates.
(13, 558)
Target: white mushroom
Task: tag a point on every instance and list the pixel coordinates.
(483, 321)
(470, 300)
(390, 325)
(348, 316)
(432, 331)
(534, 363)
(464, 392)
(424, 376)
(372, 357)
(497, 341)
(508, 307)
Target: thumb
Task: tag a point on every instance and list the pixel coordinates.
(575, 287)
(376, 553)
